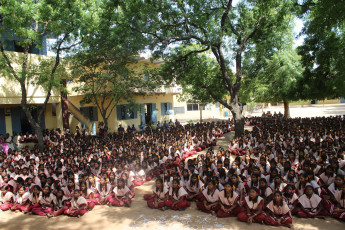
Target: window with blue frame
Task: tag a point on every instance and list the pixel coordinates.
(125, 113)
(166, 109)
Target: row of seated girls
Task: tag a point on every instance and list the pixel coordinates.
(75, 173)
(283, 168)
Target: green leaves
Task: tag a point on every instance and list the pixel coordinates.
(323, 49)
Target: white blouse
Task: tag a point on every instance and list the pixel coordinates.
(229, 201)
(212, 197)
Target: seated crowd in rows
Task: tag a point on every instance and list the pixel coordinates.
(74, 173)
(283, 167)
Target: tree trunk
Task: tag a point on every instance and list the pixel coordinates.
(200, 109)
(239, 120)
(36, 126)
(286, 109)
(64, 106)
(105, 121)
(39, 137)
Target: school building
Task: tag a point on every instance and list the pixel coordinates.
(161, 105)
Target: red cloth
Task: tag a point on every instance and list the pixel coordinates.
(61, 211)
(339, 216)
(80, 212)
(233, 213)
(180, 205)
(287, 220)
(116, 203)
(202, 207)
(303, 214)
(148, 196)
(151, 204)
(260, 218)
(20, 208)
(39, 210)
(5, 207)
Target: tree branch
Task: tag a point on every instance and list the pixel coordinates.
(8, 62)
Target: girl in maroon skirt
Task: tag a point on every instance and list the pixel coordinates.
(210, 201)
(194, 188)
(253, 204)
(78, 205)
(177, 197)
(339, 211)
(157, 199)
(21, 200)
(121, 195)
(6, 198)
(47, 200)
(278, 212)
(310, 204)
(228, 199)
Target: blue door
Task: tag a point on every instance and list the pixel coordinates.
(2, 122)
(154, 113)
(142, 114)
(16, 121)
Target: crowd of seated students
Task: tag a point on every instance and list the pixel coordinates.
(76, 172)
(284, 167)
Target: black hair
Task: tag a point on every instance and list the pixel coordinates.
(257, 193)
(191, 182)
(46, 195)
(214, 184)
(161, 181)
(123, 181)
(274, 201)
(232, 191)
(178, 188)
(83, 183)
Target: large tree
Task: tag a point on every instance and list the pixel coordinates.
(323, 49)
(277, 82)
(31, 21)
(107, 69)
(226, 30)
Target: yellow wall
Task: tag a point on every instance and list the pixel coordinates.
(113, 124)
(8, 122)
(211, 111)
(50, 120)
(10, 90)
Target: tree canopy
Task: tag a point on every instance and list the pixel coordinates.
(227, 31)
(323, 49)
(31, 22)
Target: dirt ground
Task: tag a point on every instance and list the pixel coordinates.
(139, 216)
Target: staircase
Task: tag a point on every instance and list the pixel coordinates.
(73, 110)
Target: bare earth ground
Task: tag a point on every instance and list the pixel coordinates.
(139, 216)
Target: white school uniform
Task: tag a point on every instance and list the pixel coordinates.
(291, 201)
(251, 205)
(7, 197)
(228, 201)
(47, 200)
(76, 204)
(332, 189)
(160, 194)
(337, 197)
(103, 193)
(279, 210)
(310, 204)
(121, 192)
(22, 199)
(212, 197)
(181, 192)
(195, 188)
